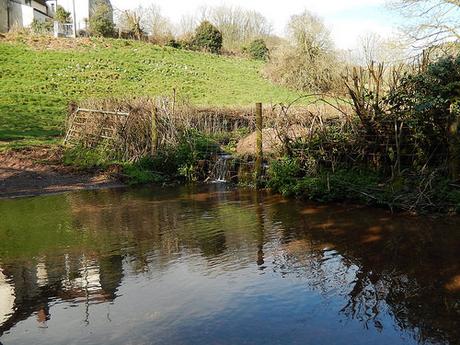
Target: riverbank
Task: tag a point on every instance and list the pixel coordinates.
(44, 170)
(40, 170)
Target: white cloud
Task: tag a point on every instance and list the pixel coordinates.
(346, 33)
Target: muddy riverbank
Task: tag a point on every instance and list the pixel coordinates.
(34, 171)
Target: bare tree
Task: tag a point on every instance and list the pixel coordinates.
(309, 61)
(430, 22)
(238, 26)
(155, 23)
(187, 25)
(130, 22)
(144, 21)
(374, 48)
(309, 33)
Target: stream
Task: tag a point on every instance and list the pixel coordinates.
(215, 264)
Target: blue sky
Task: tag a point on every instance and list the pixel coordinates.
(347, 19)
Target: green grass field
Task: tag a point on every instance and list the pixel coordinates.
(36, 85)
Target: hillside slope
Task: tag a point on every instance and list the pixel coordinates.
(37, 80)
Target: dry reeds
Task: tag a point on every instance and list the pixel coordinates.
(126, 124)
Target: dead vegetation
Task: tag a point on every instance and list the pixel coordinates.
(129, 133)
(145, 122)
(48, 42)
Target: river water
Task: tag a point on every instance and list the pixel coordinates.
(218, 265)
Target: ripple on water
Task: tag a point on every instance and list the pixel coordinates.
(220, 266)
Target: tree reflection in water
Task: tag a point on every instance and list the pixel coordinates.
(400, 265)
(381, 265)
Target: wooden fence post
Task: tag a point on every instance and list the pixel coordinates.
(259, 151)
(154, 131)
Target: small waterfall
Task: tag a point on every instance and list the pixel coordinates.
(221, 169)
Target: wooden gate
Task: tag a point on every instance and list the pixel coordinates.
(94, 125)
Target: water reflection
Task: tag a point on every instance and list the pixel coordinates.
(222, 266)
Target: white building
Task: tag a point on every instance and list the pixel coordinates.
(3, 16)
(83, 10)
(6, 298)
(21, 13)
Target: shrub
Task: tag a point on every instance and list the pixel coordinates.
(143, 172)
(185, 41)
(341, 185)
(289, 177)
(101, 21)
(184, 161)
(61, 15)
(164, 39)
(238, 26)
(283, 175)
(257, 50)
(309, 63)
(82, 33)
(173, 43)
(425, 100)
(193, 148)
(41, 27)
(130, 24)
(208, 38)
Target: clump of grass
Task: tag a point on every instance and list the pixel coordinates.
(142, 172)
(84, 158)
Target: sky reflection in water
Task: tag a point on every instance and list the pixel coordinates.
(211, 265)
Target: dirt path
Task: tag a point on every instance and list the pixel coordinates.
(36, 171)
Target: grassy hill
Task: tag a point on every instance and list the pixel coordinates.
(38, 77)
